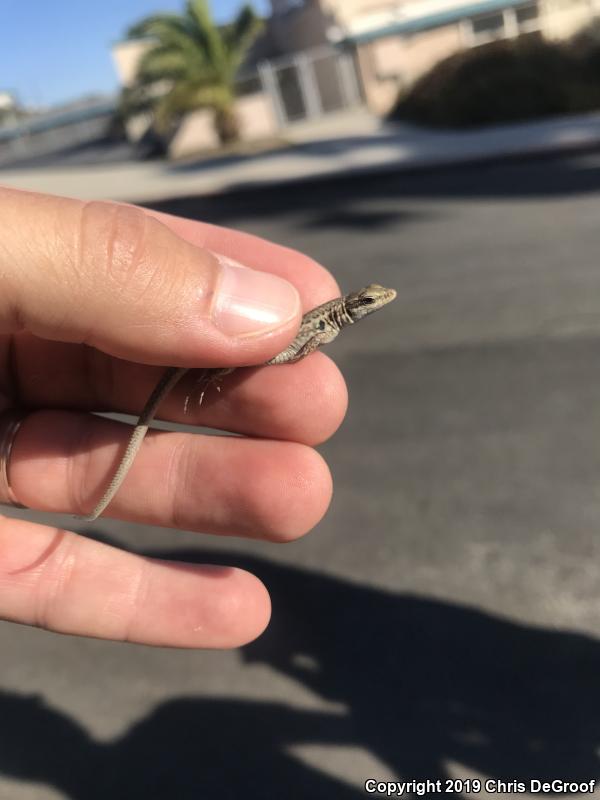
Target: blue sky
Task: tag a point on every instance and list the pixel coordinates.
(56, 50)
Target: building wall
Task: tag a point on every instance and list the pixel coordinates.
(300, 28)
(197, 131)
(9, 111)
(7, 101)
(392, 63)
(257, 116)
(380, 93)
(346, 11)
(126, 56)
(411, 56)
(563, 18)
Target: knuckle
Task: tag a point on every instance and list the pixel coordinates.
(181, 481)
(117, 239)
(55, 574)
(126, 603)
(64, 575)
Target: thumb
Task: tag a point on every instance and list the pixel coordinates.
(116, 278)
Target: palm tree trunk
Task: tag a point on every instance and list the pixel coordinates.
(227, 125)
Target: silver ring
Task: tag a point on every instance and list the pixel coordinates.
(10, 422)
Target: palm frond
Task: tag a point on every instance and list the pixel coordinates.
(186, 97)
(156, 22)
(169, 35)
(207, 34)
(240, 35)
(162, 62)
(135, 100)
(191, 63)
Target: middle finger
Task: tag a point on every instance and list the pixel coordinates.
(268, 402)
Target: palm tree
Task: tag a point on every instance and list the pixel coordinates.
(191, 64)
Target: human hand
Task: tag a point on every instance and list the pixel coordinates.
(96, 299)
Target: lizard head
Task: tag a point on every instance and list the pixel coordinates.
(368, 300)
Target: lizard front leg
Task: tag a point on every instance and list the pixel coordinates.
(318, 340)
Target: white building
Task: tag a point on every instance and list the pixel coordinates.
(8, 107)
(396, 42)
(317, 56)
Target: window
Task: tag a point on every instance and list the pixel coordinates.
(502, 24)
(488, 26)
(527, 17)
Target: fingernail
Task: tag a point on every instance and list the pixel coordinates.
(249, 302)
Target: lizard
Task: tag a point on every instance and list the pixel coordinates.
(318, 327)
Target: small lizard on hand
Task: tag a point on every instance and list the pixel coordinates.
(319, 326)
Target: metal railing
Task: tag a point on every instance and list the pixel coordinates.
(308, 84)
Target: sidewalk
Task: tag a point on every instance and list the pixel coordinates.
(340, 145)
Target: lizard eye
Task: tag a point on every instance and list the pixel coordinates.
(368, 301)
(322, 325)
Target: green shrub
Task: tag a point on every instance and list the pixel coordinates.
(506, 81)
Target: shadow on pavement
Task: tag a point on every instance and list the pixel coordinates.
(545, 176)
(422, 681)
(281, 149)
(207, 162)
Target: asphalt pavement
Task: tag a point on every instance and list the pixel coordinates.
(443, 621)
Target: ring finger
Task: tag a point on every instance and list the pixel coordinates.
(258, 488)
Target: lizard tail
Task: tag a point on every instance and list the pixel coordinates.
(170, 378)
